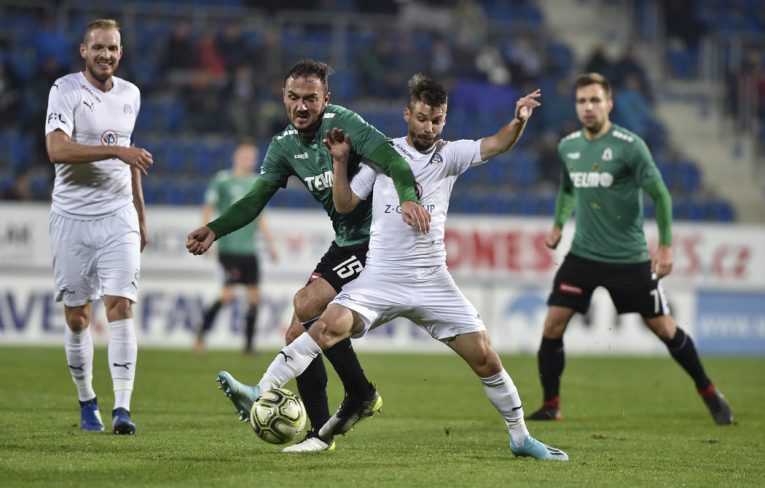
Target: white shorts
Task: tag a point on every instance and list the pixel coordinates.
(429, 297)
(93, 258)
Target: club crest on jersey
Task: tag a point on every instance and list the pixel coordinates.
(127, 109)
(436, 159)
(109, 138)
(608, 154)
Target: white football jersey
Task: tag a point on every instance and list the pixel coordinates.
(392, 242)
(92, 117)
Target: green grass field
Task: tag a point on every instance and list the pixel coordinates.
(629, 422)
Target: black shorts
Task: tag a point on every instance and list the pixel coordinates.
(631, 286)
(341, 265)
(240, 269)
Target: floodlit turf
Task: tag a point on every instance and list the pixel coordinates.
(628, 422)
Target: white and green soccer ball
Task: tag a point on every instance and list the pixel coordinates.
(278, 416)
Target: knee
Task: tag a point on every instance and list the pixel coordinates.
(77, 320)
(303, 303)
(488, 364)
(119, 309)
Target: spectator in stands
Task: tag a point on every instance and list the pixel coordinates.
(441, 59)
(525, 64)
(10, 94)
(600, 62)
(377, 68)
(628, 65)
(240, 96)
(234, 47)
(490, 62)
(632, 108)
(180, 57)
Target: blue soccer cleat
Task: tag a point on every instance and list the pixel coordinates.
(533, 448)
(241, 395)
(121, 422)
(90, 417)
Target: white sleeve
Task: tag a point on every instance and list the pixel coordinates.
(62, 100)
(463, 154)
(363, 181)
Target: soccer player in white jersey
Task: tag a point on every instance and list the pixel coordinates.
(405, 274)
(97, 219)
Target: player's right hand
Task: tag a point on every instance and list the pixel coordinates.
(553, 238)
(199, 241)
(137, 157)
(416, 216)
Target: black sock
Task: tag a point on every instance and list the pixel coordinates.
(681, 348)
(346, 364)
(209, 318)
(312, 386)
(551, 359)
(249, 332)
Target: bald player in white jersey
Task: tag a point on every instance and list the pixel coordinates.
(405, 274)
(97, 218)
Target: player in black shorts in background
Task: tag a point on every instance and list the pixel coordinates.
(605, 169)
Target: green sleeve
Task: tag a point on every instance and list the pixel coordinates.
(565, 199)
(394, 166)
(660, 195)
(649, 178)
(564, 202)
(245, 210)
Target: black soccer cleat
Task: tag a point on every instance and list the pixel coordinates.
(351, 412)
(719, 408)
(545, 413)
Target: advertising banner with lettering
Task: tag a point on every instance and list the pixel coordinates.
(717, 288)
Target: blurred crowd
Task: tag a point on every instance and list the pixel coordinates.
(217, 79)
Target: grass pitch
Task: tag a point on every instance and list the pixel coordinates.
(628, 422)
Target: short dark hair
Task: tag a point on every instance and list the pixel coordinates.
(588, 79)
(309, 67)
(104, 24)
(427, 91)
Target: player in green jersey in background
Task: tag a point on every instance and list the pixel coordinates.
(238, 251)
(605, 169)
(299, 151)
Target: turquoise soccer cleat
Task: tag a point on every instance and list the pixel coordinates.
(533, 448)
(241, 395)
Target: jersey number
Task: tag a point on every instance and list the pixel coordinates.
(349, 267)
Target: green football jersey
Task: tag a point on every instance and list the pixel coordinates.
(608, 176)
(225, 189)
(291, 155)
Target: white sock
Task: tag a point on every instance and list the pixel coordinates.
(504, 396)
(290, 362)
(123, 353)
(79, 358)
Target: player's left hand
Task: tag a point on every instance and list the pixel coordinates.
(526, 105)
(662, 261)
(416, 216)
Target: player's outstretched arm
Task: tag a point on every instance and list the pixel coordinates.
(508, 135)
(338, 144)
(62, 149)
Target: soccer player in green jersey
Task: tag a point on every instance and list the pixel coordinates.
(238, 251)
(299, 151)
(605, 169)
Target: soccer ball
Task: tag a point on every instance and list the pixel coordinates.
(278, 416)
